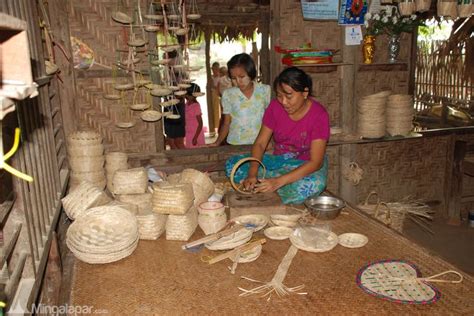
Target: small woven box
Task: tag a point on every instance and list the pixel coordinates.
(181, 227)
(142, 201)
(172, 199)
(130, 181)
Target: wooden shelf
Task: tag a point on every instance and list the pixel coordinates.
(401, 66)
(321, 68)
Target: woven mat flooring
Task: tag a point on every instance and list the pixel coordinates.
(160, 278)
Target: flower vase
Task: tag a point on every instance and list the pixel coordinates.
(368, 49)
(393, 48)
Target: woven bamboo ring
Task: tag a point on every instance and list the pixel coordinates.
(237, 166)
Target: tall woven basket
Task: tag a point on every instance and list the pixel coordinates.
(181, 227)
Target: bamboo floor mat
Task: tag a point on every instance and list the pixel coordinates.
(160, 278)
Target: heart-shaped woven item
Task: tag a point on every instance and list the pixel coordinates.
(400, 281)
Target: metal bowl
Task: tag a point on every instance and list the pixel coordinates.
(325, 207)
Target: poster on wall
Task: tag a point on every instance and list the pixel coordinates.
(352, 12)
(319, 9)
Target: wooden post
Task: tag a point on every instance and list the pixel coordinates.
(275, 64)
(210, 109)
(265, 51)
(59, 19)
(454, 202)
(158, 126)
(348, 114)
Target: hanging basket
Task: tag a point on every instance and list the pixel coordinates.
(422, 5)
(406, 8)
(465, 10)
(447, 8)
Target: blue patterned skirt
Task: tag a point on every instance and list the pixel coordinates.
(293, 193)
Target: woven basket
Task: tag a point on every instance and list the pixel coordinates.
(212, 217)
(116, 160)
(130, 181)
(151, 225)
(174, 178)
(142, 201)
(87, 151)
(382, 212)
(172, 199)
(85, 196)
(132, 208)
(465, 10)
(181, 227)
(94, 176)
(203, 187)
(406, 8)
(86, 164)
(84, 138)
(422, 5)
(447, 8)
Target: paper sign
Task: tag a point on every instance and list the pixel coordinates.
(353, 35)
(319, 10)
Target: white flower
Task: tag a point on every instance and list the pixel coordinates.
(404, 20)
(395, 20)
(413, 16)
(384, 19)
(376, 16)
(366, 23)
(388, 12)
(368, 16)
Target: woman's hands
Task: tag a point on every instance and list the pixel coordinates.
(269, 185)
(263, 185)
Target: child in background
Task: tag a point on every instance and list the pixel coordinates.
(194, 132)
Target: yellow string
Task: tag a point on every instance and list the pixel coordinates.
(10, 153)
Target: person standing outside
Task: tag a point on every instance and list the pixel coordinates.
(215, 98)
(243, 104)
(194, 131)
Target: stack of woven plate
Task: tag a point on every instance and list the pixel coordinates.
(150, 224)
(83, 197)
(86, 158)
(399, 115)
(371, 115)
(105, 234)
(231, 241)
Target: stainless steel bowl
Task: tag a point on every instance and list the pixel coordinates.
(325, 207)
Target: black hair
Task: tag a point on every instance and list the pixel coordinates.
(243, 60)
(296, 78)
(216, 63)
(193, 88)
(173, 54)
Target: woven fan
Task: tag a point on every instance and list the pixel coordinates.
(401, 282)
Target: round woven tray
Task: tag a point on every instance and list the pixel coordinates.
(352, 240)
(278, 232)
(237, 166)
(324, 242)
